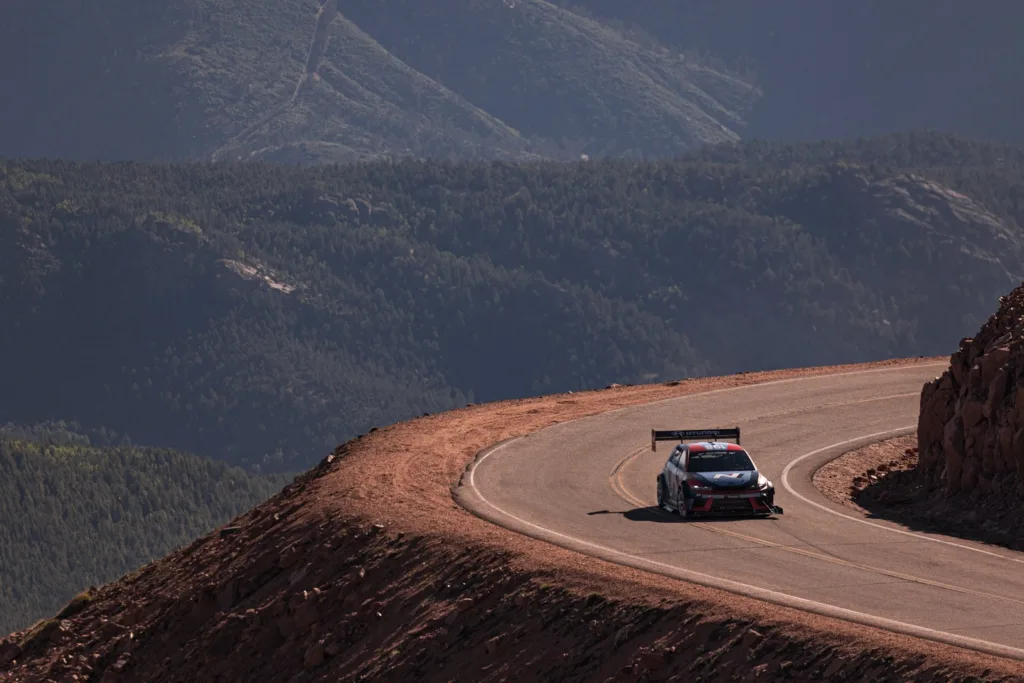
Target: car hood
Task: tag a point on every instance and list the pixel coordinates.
(728, 479)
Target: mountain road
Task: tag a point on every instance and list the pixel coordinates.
(589, 485)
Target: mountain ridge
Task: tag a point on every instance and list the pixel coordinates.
(179, 80)
(302, 83)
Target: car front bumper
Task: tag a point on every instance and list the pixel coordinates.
(724, 503)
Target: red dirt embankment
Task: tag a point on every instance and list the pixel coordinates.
(364, 568)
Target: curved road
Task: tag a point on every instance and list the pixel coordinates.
(589, 485)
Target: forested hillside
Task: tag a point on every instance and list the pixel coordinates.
(76, 514)
(262, 314)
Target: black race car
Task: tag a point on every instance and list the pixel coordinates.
(711, 477)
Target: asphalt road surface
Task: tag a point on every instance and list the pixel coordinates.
(590, 485)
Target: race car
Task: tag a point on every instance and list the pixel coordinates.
(710, 476)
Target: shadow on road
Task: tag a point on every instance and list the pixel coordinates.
(653, 513)
(899, 496)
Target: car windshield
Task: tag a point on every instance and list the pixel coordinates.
(719, 461)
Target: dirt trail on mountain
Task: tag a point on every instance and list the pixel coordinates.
(365, 568)
(318, 44)
(317, 47)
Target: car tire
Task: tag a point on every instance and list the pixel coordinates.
(662, 503)
(681, 503)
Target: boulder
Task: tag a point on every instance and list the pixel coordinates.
(969, 475)
(1018, 454)
(956, 366)
(365, 209)
(953, 453)
(351, 208)
(993, 362)
(9, 651)
(1018, 406)
(306, 615)
(974, 377)
(1004, 451)
(314, 656)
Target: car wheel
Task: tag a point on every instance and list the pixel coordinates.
(661, 493)
(681, 503)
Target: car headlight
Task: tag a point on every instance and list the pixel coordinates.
(697, 486)
(762, 482)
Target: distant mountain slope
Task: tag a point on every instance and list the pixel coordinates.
(261, 314)
(309, 81)
(174, 80)
(183, 79)
(558, 76)
(849, 68)
(76, 515)
(348, 99)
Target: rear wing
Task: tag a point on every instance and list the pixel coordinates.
(692, 435)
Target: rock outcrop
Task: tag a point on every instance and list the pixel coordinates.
(971, 426)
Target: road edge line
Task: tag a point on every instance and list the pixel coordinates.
(466, 494)
(860, 442)
(470, 498)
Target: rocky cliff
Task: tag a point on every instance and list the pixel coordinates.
(971, 425)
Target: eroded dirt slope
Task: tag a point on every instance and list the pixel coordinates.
(364, 568)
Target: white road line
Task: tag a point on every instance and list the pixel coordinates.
(768, 595)
(619, 489)
(737, 587)
(877, 436)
